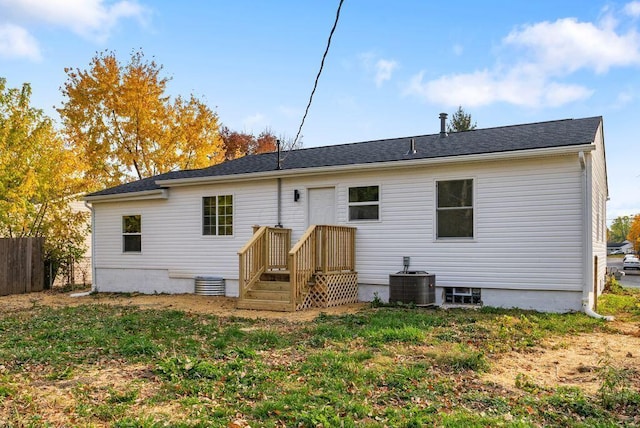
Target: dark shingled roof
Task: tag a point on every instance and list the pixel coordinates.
(539, 135)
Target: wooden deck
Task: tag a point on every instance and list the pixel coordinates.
(317, 272)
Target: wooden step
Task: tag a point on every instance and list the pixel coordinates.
(275, 275)
(265, 305)
(272, 285)
(275, 295)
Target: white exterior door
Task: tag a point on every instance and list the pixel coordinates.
(322, 206)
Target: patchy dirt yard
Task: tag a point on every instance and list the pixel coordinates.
(564, 361)
(214, 305)
(569, 361)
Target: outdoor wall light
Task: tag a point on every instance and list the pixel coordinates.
(296, 195)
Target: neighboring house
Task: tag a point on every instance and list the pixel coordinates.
(513, 216)
(624, 247)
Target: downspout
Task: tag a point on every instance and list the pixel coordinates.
(279, 180)
(587, 247)
(279, 202)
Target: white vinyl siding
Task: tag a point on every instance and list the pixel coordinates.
(527, 225)
(599, 195)
(173, 237)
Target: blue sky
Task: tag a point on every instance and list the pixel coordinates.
(393, 65)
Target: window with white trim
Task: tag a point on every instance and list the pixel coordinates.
(217, 215)
(131, 233)
(454, 209)
(364, 203)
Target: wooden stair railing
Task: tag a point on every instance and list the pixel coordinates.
(322, 248)
(268, 268)
(266, 251)
(278, 244)
(302, 264)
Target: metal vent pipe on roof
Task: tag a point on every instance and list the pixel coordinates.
(412, 148)
(443, 124)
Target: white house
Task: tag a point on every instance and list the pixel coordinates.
(513, 215)
(624, 247)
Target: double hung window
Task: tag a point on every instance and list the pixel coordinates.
(454, 210)
(131, 233)
(217, 215)
(364, 203)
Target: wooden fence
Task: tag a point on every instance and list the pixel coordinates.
(21, 265)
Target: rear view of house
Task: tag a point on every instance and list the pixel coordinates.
(511, 216)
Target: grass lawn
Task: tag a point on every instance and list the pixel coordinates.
(102, 365)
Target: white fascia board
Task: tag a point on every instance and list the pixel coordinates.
(517, 154)
(132, 196)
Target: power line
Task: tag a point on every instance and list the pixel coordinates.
(315, 85)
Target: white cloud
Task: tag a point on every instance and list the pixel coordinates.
(16, 42)
(381, 69)
(632, 9)
(558, 94)
(487, 87)
(544, 54)
(474, 88)
(566, 45)
(89, 18)
(384, 69)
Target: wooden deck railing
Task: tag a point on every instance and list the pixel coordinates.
(266, 250)
(336, 248)
(278, 245)
(321, 248)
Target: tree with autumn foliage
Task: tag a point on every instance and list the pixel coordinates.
(634, 233)
(123, 126)
(37, 180)
(239, 144)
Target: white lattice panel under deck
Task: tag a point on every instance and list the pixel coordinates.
(331, 289)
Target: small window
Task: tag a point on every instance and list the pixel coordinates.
(454, 209)
(217, 215)
(131, 234)
(364, 203)
(462, 295)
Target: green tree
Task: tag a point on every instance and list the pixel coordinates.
(123, 126)
(37, 179)
(460, 121)
(620, 228)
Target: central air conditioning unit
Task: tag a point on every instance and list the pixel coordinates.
(417, 287)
